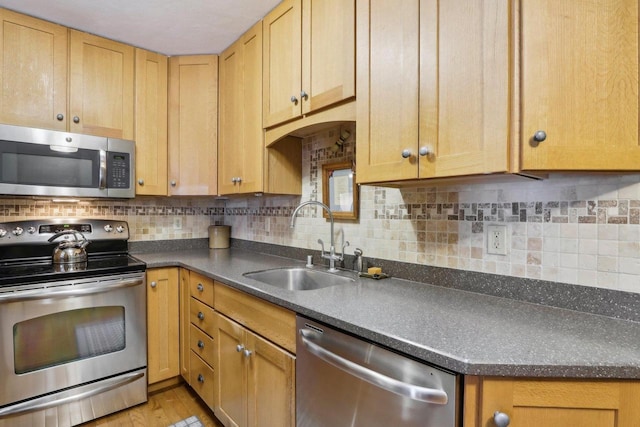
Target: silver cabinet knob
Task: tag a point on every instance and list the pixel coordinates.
(406, 153)
(304, 95)
(173, 183)
(247, 353)
(154, 284)
(500, 419)
(239, 347)
(200, 344)
(234, 179)
(200, 378)
(539, 136)
(425, 151)
(141, 181)
(200, 315)
(293, 99)
(60, 117)
(76, 119)
(200, 287)
(239, 179)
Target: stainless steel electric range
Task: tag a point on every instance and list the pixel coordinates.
(72, 322)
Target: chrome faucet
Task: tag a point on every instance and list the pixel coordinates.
(331, 256)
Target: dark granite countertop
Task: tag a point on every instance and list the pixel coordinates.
(466, 332)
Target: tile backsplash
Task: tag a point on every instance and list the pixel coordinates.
(568, 228)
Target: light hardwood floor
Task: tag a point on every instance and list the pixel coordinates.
(163, 409)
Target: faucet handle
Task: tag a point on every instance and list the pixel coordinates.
(344, 245)
(321, 244)
(357, 252)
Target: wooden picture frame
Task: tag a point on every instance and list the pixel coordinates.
(339, 190)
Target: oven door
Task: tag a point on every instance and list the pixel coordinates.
(64, 334)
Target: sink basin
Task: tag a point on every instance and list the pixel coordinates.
(298, 278)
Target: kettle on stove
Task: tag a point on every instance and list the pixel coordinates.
(70, 251)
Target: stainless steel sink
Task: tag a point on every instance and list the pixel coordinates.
(298, 278)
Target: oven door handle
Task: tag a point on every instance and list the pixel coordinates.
(67, 396)
(68, 291)
(415, 392)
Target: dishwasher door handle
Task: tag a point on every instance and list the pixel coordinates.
(424, 394)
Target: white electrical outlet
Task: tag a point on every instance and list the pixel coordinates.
(497, 239)
(177, 223)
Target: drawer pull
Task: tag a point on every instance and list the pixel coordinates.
(200, 344)
(200, 287)
(239, 347)
(247, 353)
(200, 378)
(200, 315)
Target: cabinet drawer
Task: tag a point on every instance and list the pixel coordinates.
(202, 316)
(275, 323)
(201, 379)
(201, 288)
(202, 345)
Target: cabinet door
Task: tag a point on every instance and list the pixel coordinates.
(464, 87)
(193, 125)
(33, 72)
(534, 403)
(241, 134)
(328, 52)
(271, 384)
(387, 90)
(580, 85)
(100, 86)
(185, 324)
(151, 123)
(282, 63)
(231, 377)
(162, 324)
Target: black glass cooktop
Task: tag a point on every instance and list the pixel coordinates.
(18, 273)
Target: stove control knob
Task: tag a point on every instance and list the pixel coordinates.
(3, 232)
(31, 230)
(18, 231)
(119, 229)
(108, 228)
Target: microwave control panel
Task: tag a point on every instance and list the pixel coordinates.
(118, 170)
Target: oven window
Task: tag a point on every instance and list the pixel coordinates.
(68, 336)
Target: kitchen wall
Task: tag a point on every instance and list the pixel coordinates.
(572, 229)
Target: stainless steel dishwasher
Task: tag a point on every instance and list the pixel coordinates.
(345, 381)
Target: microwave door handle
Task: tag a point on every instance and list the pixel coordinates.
(102, 177)
(393, 385)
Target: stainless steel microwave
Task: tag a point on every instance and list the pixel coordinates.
(38, 162)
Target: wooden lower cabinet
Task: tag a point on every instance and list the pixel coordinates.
(551, 402)
(162, 324)
(255, 380)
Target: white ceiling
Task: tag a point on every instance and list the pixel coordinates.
(172, 27)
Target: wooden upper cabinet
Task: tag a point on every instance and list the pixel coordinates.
(33, 72)
(151, 123)
(193, 125)
(309, 57)
(548, 402)
(426, 108)
(241, 136)
(101, 86)
(580, 85)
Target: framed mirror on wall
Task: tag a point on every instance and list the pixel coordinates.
(339, 190)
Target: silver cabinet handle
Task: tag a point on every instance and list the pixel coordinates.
(154, 284)
(304, 95)
(141, 181)
(247, 353)
(500, 419)
(393, 385)
(293, 99)
(200, 315)
(425, 151)
(76, 119)
(60, 117)
(539, 136)
(239, 347)
(200, 378)
(173, 183)
(406, 153)
(200, 287)
(200, 344)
